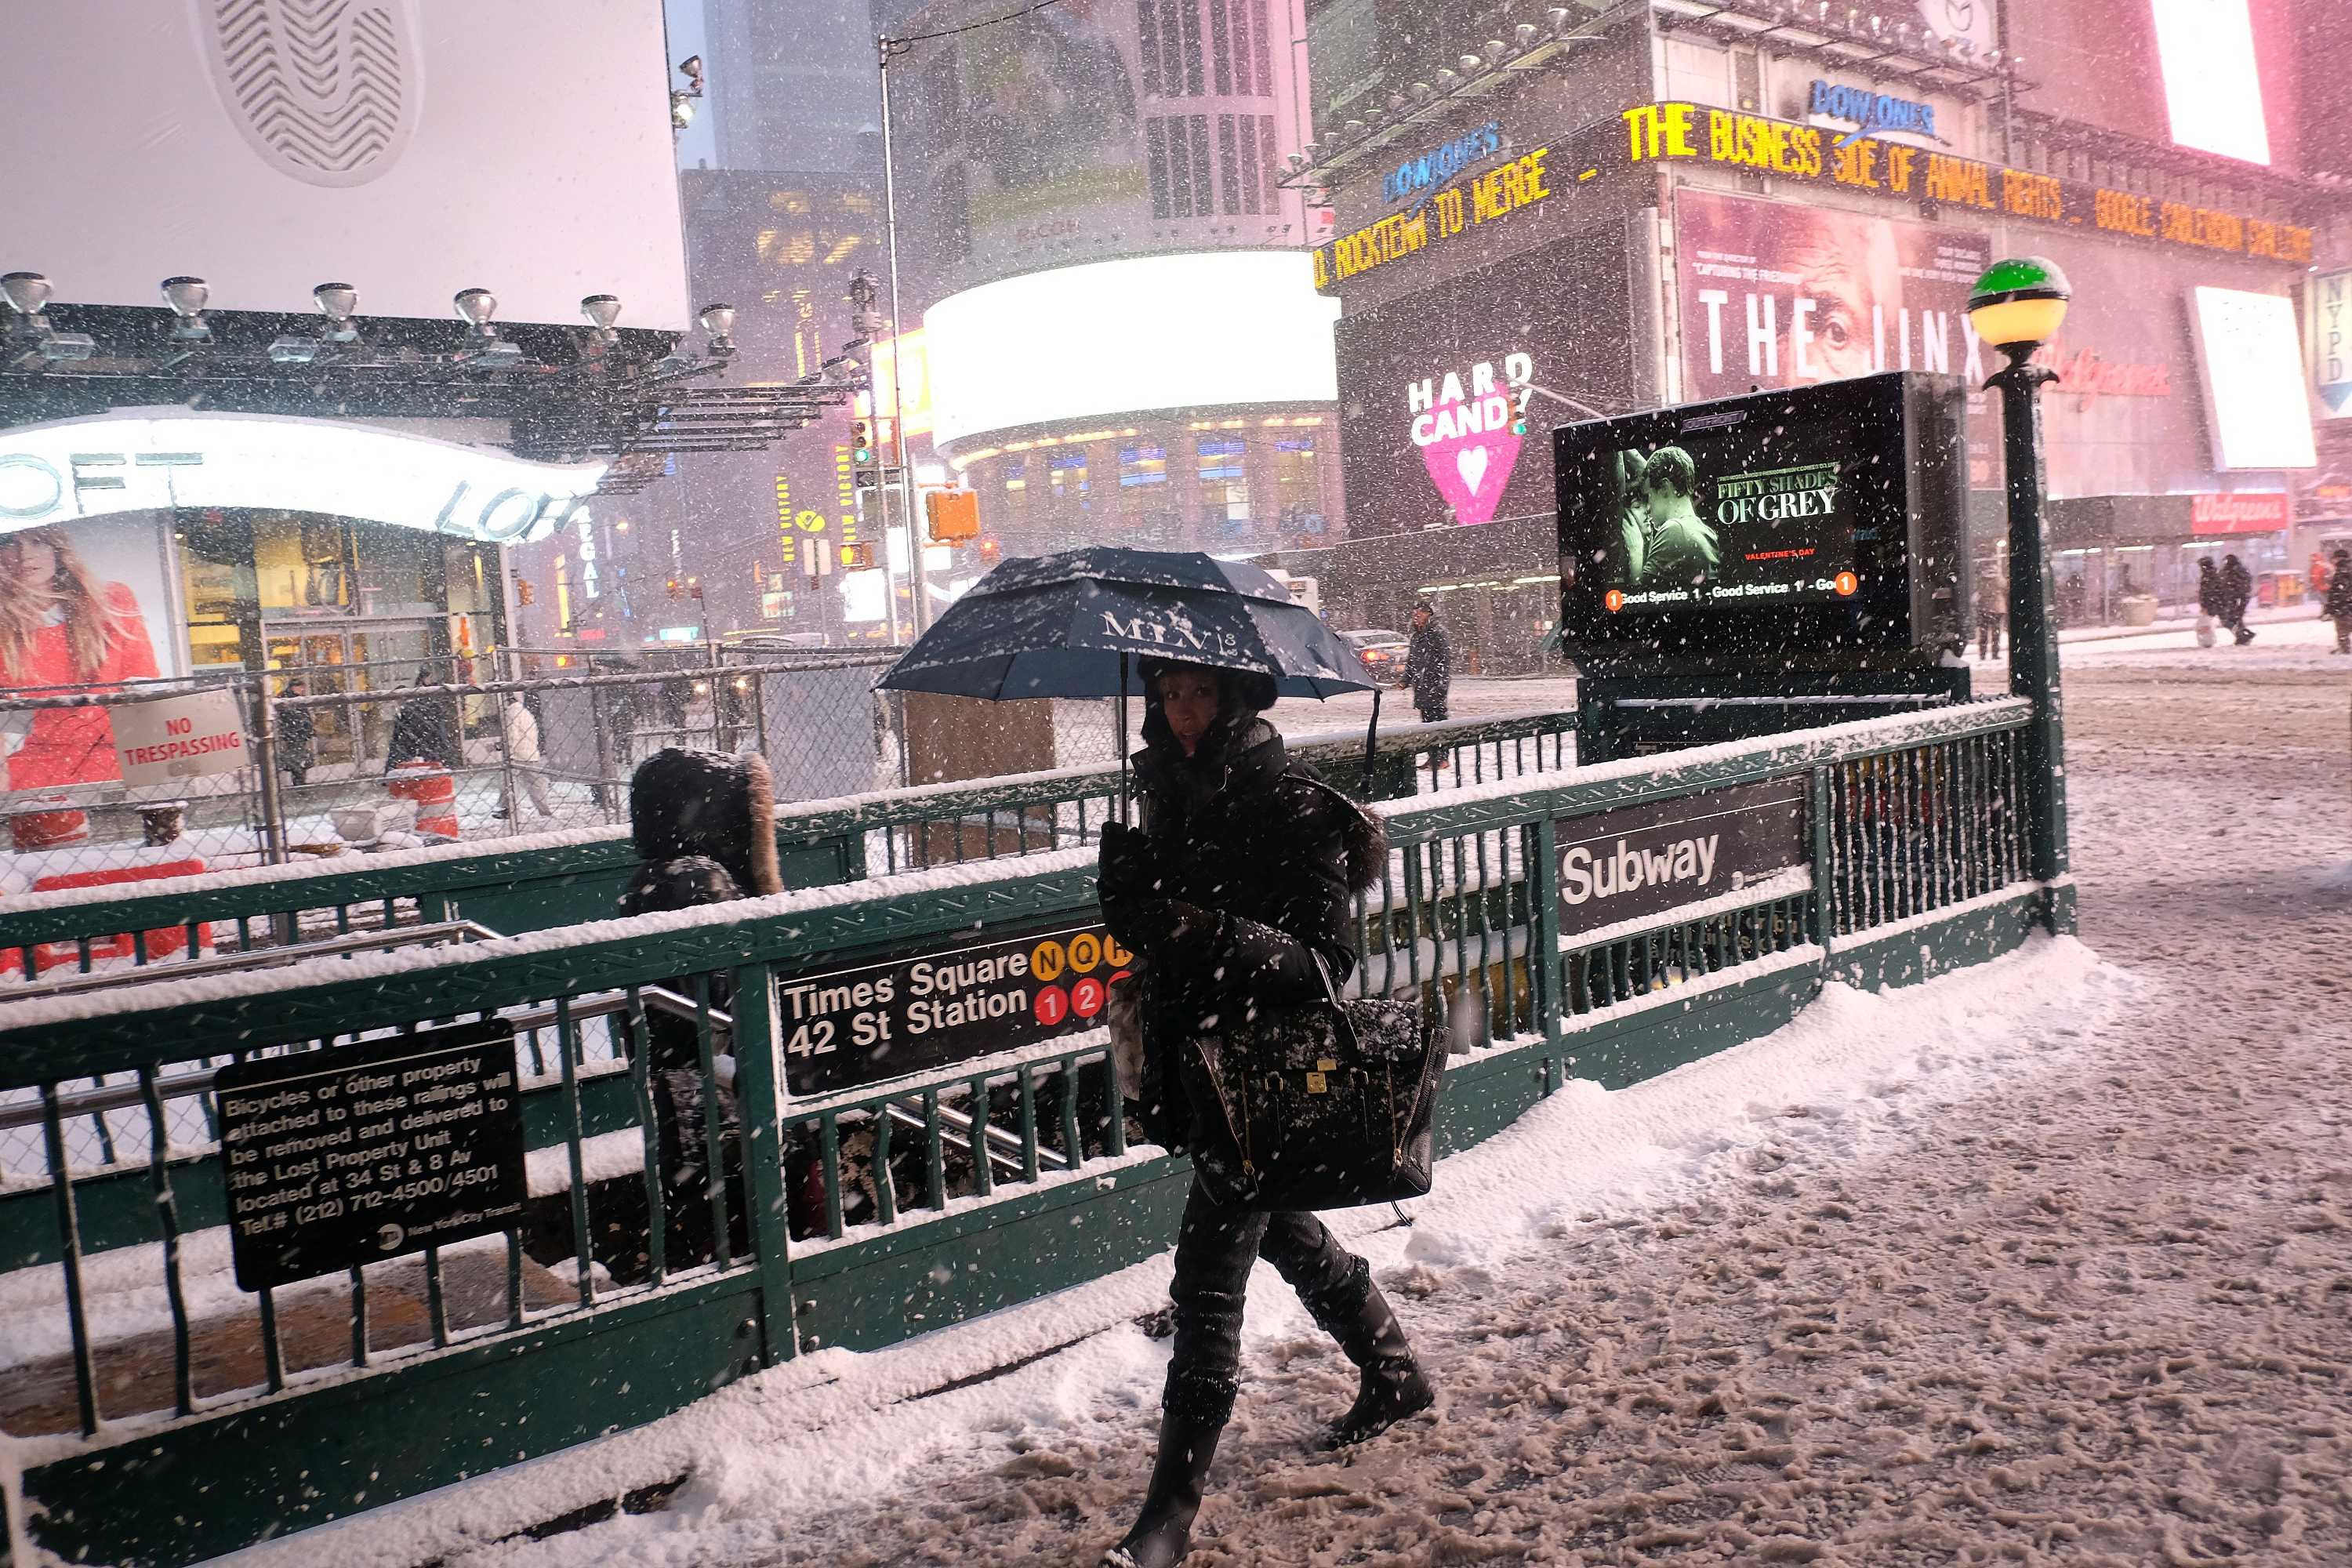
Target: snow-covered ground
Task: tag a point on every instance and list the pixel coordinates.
(2045, 1262)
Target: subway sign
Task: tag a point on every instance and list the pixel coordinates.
(860, 1026)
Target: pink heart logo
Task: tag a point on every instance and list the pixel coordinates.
(1469, 449)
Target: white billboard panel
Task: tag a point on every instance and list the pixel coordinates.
(1123, 337)
(409, 148)
(2251, 361)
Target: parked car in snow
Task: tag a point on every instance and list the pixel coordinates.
(1381, 653)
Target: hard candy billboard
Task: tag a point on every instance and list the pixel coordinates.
(1431, 386)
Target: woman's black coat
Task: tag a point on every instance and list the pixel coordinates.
(1240, 880)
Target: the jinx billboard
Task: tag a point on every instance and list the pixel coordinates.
(1431, 386)
(1775, 294)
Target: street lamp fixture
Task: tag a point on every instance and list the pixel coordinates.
(602, 311)
(338, 302)
(2018, 306)
(718, 321)
(26, 294)
(187, 296)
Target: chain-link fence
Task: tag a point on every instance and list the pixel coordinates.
(243, 770)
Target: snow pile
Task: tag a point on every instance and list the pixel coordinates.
(787, 1467)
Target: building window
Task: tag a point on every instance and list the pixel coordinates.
(1142, 466)
(1068, 496)
(1177, 155)
(1229, 165)
(1187, 15)
(1224, 486)
(1297, 485)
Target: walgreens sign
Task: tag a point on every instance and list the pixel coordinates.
(2238, 513)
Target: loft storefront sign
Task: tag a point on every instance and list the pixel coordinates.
(143, 459)
(1523, 183)
(1805, 154)
(1872, 113)
(1665, 856)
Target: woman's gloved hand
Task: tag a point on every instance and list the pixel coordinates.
(1129, 867)
(1175, 935)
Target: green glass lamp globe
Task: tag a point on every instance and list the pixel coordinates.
(2019, 304)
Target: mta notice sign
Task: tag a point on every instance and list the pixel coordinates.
(1656, 857)
(852, 1027)
(356, 1154)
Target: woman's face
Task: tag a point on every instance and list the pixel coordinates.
(1190, 702)
(27, 563)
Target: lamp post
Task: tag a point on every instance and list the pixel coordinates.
(2017, 307)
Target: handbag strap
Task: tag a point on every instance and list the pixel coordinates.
(1344, 1025)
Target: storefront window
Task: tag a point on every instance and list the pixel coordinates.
(1069, 499)
(1224, 486)
(1297, 485)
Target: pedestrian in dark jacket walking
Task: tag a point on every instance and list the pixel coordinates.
(2237, 593)
(298, 737)
(2338, 605)
(2208, 600)
(1236, 895)
(1429, 664)
(705, 831)
(425, 729)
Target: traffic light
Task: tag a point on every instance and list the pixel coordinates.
(857, 557)
(525, 593)
(1519, 415)
(954, 515)
(861, 442)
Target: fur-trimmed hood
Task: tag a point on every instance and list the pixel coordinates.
(687, 804)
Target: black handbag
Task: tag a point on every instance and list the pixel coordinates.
(1322, 1106)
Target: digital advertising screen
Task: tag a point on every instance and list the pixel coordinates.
(1817, 523)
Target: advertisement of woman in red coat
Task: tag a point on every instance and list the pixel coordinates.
(64, 628)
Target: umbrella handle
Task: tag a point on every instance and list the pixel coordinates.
(1371, 742)
(1122, 737)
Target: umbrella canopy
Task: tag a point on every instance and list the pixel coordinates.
(1078, 624)
(1188, 569)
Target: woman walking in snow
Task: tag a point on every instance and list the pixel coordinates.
(1234, 894)
(2338, 605)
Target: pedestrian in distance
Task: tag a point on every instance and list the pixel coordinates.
(1234, 894)
(2237, 593)
(2338, 605)
(519, 729)
(1992, 608)
(1429, 664)
(2208, 600)
(425, 729)
(298, 737)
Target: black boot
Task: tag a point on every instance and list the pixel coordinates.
(1189, 1423)
(1392, 1385)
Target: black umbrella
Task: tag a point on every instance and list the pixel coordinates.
(1078, 624)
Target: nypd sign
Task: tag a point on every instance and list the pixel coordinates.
(1657, 858)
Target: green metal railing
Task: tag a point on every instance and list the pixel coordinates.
(857, 1217)
(563, 879)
